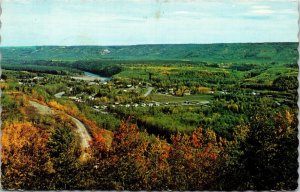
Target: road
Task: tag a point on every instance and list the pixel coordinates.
(42, 109)
(81, 129)
(83, 133)
(58, 95)
(148, 91)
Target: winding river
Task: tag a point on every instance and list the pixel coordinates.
(91, 77)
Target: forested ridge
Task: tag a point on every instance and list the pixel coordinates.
(222, 52)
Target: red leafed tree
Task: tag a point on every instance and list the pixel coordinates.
(99, 146)
(130, 148)
(123, 164)
(194, 160)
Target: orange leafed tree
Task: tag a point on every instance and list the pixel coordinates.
(24, 156)
(194, 159)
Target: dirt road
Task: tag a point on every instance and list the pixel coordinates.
(59, 95)
(42, 109)
(81, 129)
(148, 91)
(83, 133)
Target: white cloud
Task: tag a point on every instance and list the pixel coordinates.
(262, 11)
(260, 7)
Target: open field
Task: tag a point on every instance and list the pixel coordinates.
(190, 98)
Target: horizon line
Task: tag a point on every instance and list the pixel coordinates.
(123, 45)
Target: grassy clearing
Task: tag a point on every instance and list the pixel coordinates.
(191, 98)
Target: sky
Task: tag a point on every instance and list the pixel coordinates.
(130, 22)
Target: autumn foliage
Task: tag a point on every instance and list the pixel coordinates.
(24, 156)
(139, 162)
(131, 159)
(68, 108)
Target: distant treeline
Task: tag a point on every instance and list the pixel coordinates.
(109, 60)
(106, 69)
(42, 69)
(217, 53)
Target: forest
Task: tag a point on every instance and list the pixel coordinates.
(157, 117)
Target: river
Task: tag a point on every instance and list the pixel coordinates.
(92, 77)
(103, 79)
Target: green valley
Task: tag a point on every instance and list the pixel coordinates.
(160, 117)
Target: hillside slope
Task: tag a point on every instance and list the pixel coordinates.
(237, 52)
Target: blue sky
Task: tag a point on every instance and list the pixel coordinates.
(127, 22)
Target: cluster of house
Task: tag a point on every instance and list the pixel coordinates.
(152, 104)
(171, 91)
(77, 99)
(29, 81)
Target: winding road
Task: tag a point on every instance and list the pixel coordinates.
(150, 89)
(81, 129)
(83, 133)
(59, 95)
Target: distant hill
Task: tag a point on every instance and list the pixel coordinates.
(233, 53)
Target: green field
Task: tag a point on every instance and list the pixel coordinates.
(190, 98)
